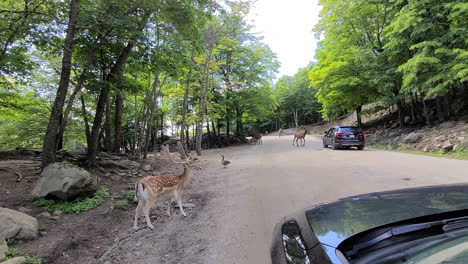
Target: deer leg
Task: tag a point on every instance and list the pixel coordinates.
(169, 207)
(147, 209)
(137, 214)
(178, 197)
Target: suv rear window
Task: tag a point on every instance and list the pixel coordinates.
(349, 129)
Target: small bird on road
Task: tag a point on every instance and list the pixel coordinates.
(225, 162)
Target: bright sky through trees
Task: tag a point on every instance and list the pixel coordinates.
(287, 28)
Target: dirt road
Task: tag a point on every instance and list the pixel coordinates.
(234, 221)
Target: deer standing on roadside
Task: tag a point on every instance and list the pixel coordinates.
(280, 132)
(150, 188)
(258, 138)
(300, 135)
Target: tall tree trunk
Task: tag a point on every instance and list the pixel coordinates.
(85, 117)
(426, 112)
(107, 127)
(201, 113)
(447, 106)
(358, 116)
(151, 108)
(115, 71)
(239, 125)
(401, 115)
(217, 139)
(137, 124)
(440, 111)
(185, 105)
(187, 138)
(119, 104)
(49, 145)
(209, 134)
(228, 126)
(78, 87)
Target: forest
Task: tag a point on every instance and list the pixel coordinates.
(126, 76)
(407, 55)
(118, 75)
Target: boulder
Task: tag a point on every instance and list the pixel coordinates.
(65, 181)
(146, 167)
(446, 125)
(14, 224)
(3, 248)
(15, 260)
(412, 137)
(447, 146)
(394, 134)
(464, 143)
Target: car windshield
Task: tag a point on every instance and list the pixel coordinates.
(349, 129)
(443, 251)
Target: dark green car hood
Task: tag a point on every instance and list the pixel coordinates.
(334, 222)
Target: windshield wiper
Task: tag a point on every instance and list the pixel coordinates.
(447, 225)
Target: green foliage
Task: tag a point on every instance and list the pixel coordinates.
(33, 260)
(11, 253)
(120, 204)
(129, 195)
(77, 206)
(14, 252)
(384, 51)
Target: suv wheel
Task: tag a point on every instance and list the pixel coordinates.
(360, 147)
(324, 145)
(334, 147)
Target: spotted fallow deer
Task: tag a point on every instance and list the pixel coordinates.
(300, 135)
(150, 188)
(280, 132)
(258, 138)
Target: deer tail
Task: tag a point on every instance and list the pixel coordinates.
(140, 193)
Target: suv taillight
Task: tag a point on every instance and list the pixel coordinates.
(339, 134)
(361, 134)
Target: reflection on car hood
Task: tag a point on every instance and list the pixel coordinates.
(336, 221)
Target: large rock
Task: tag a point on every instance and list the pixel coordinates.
(15, 260)
(394, 134)
(446, 125)
(65, 181)
(14, 224)
(412, 137)
(3, 248)
(447, 146)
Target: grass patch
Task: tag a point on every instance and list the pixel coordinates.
(129, 196)
(458, 154)
(13, 252)
(77, 206)
(120, 205)
(33, 260)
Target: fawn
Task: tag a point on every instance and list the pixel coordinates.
(150, 188)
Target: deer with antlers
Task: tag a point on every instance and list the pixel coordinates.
(150, 188)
